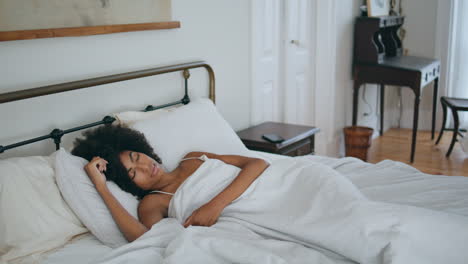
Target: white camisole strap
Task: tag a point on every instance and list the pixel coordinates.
(161, 192)
(202, 158)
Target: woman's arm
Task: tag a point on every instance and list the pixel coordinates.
(251, 168)
(128, 225)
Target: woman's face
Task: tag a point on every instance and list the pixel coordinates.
(144, 171)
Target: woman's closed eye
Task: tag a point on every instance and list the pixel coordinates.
(134, 157)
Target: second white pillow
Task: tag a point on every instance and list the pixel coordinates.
(196, 126)
(81, 195)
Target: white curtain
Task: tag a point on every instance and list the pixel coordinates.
(458, 78)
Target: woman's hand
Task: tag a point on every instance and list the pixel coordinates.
(207, 215)
(95, 170)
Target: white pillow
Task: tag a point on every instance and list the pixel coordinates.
(33, 216)
(130, 117)
(196, 126)
(81, 195)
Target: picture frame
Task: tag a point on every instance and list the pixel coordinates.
(376, 8)
(32, 19)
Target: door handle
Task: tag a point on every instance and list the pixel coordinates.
(294, 41)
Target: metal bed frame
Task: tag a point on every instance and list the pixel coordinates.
(57, 134)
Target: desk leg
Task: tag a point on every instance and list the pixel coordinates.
(415, 125)
(382, 100)
(355, 101)
(434, 105)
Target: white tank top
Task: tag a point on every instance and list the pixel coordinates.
(202, 158)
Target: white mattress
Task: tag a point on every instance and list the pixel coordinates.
(387, 181)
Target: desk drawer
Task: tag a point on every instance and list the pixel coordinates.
(430, 73)
(300, 148)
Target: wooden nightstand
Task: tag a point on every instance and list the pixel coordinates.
(299, 140)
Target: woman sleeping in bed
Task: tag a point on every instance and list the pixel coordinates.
(296, 200)
(124, 156)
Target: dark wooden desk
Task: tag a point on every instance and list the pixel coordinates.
(409, 71)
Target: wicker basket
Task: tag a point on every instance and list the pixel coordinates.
(357, 141)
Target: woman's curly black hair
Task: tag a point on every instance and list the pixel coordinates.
(108, 142)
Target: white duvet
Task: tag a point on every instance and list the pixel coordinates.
(297, 211)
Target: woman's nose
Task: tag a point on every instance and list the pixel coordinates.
(143, 167)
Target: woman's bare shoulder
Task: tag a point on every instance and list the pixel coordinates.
(153, 202)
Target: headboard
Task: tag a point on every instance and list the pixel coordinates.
(57, 133)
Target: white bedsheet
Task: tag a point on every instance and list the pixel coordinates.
(387, 181)
(84, 249)
(311, 204)
(396, 182)
(296, 201)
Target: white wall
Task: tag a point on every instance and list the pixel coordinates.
(421, 29)
(216, 31)
(334, 63)
(346, 14)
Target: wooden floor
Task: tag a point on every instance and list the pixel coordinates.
(395, 144)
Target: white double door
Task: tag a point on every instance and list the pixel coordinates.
(281, 61)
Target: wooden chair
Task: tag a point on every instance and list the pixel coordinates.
(455, 105)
